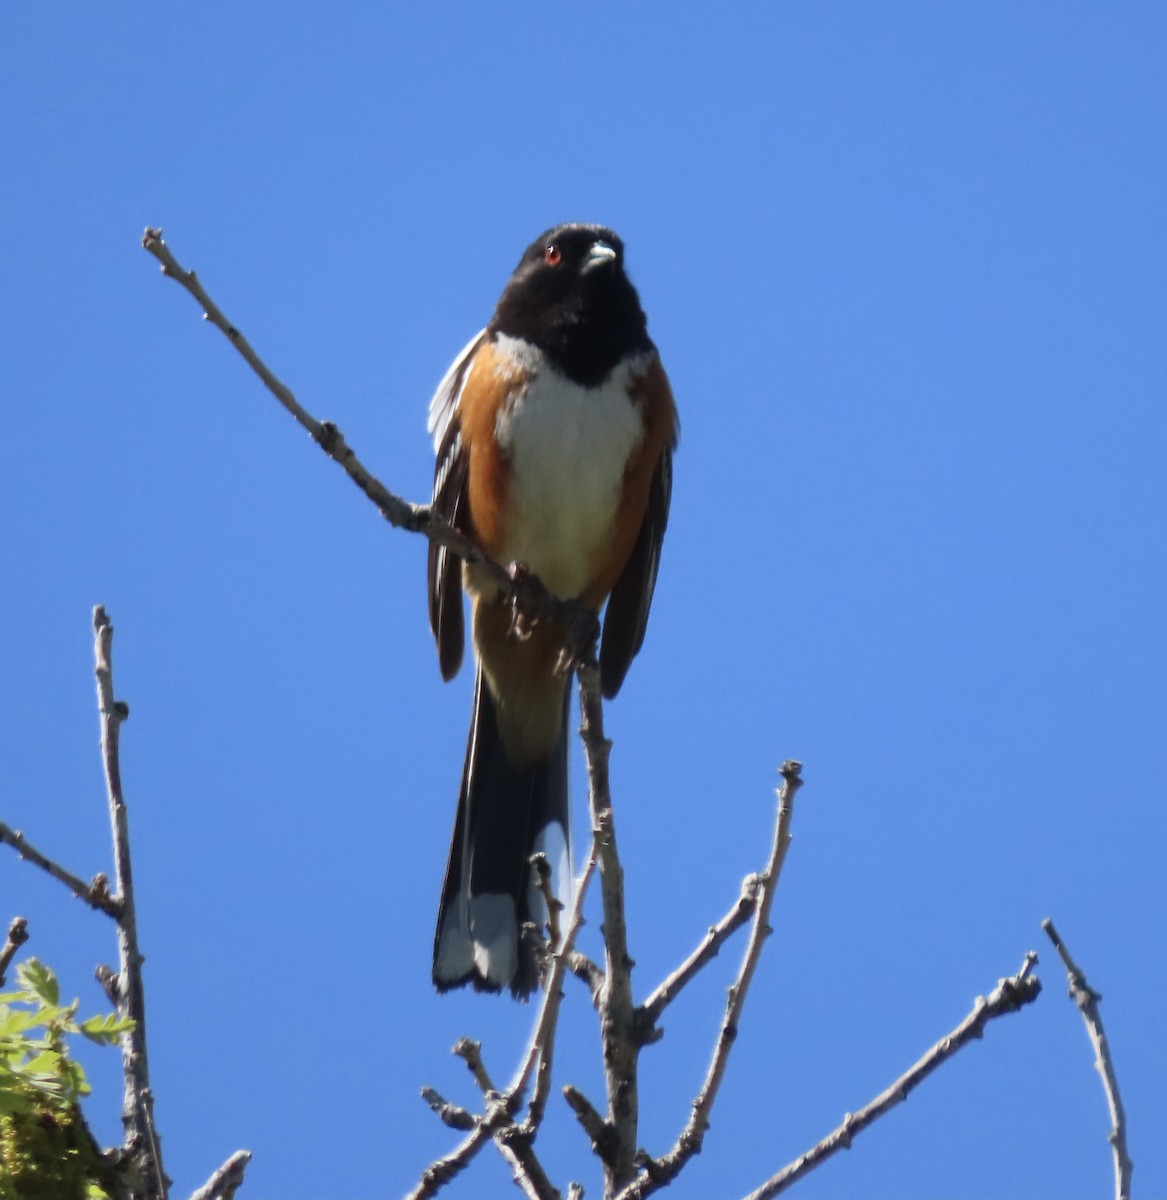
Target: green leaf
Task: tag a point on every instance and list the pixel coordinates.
(41, 1064)
(16, 1020)
(105, 1030)
(38, 979)
(75, 1078)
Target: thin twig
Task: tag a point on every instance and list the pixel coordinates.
(224, 1183)
(551, 902)
(470, 1052)
(1087, 1001)
(618, 1025)
(529, 597)
(514, 1141)
(138, 1104)
(705, 952)
(600, 1133)
(590, 973)
(661, 1171)
(17, 936)
(95, 894)
(453, 1115)
(543, 1041)
(443, 1169)
(1008, 996)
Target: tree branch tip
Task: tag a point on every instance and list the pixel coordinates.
(791, 771)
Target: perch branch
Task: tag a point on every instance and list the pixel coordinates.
(529, 597)
(17, 936)
(1010, 995)
(138, 1103)
(95, 894)
(224, 1183)
(1087, 1001)
(659, 1172)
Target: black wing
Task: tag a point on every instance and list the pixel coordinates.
(444, 573)
(627, 615)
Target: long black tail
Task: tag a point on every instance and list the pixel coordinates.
(505, 814)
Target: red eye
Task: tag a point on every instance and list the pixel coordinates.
(553, 255)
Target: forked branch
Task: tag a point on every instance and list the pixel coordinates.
(658, 1172)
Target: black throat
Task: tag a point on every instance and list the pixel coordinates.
(586, 320)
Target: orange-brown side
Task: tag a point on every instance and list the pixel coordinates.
(652, 392)
(521, 673)
(492, 380)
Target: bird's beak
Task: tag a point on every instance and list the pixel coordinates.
(599, 255)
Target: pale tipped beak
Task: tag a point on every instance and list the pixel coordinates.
(600, 254)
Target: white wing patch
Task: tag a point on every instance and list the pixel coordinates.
(445, 401)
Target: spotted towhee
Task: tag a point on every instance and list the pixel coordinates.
(554, 431)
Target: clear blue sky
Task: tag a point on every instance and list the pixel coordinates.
(907, 267)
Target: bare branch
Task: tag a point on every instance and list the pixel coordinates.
(600, 1133)
(110, 983)
(530, 598)
(552, 902)
(714, 939)
(542, 1045)
(442, 1170)
(470, 1052)
(618, 1024)
(1010, 995)
(223, 1184)
(661, 1171)
(1087, 1001)
(17, 936)
(514, 1141)
(589, 972)
(453, 1115)
(95, 894)
(515, 1145)
(138, 1103)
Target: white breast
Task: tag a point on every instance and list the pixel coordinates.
(569, 447)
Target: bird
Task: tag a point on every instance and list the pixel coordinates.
(554, 431)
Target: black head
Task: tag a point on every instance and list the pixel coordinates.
(570, 297)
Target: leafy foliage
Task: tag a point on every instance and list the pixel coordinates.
(46, 1152)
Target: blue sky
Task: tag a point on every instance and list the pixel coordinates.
(906, 266)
